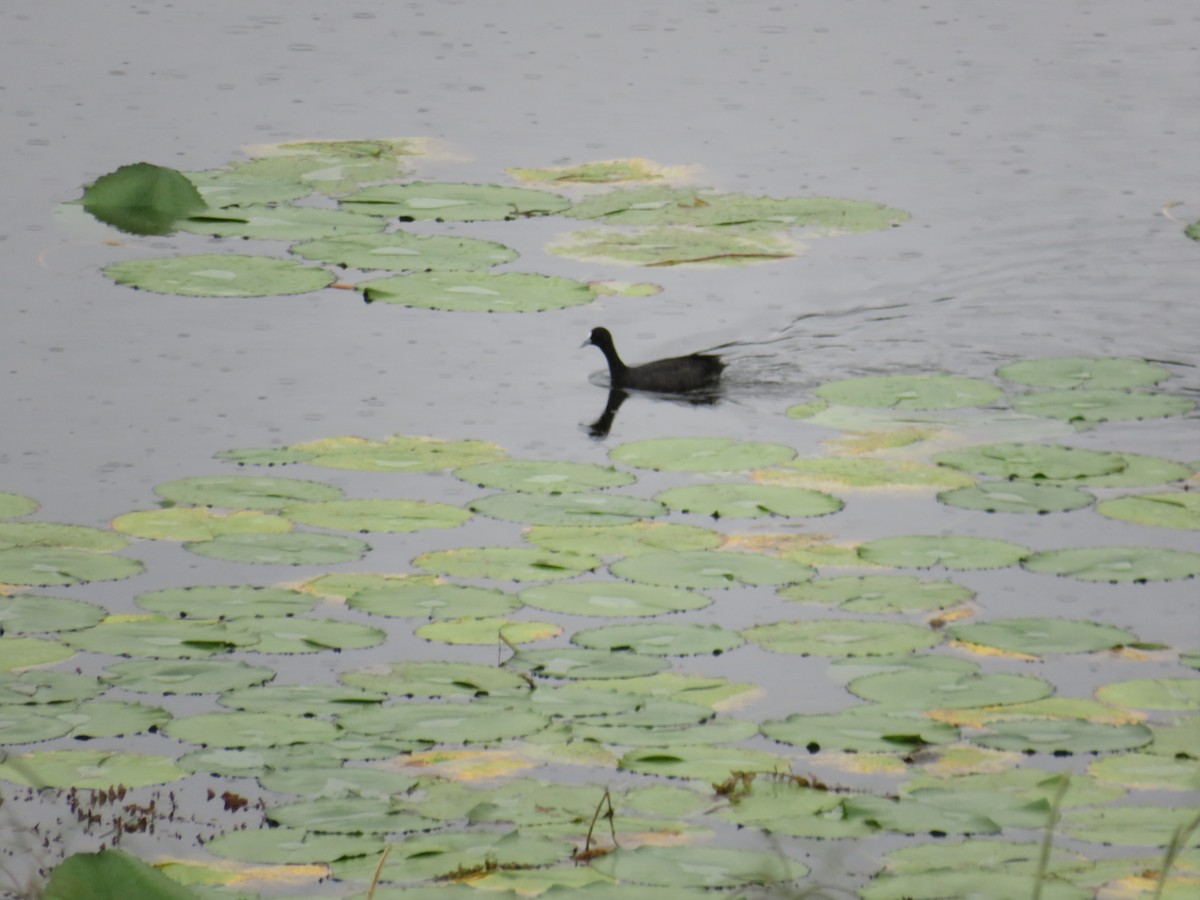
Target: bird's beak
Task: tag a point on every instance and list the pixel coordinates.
(586, 343)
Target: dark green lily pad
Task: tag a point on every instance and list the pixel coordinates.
(1116, 564)
(911, 392)
(1087, 406)
(142, 198)
(590, 508)
(1083, 372)
(506, 563)
(1177, 509)
(660, 638)
(245, 491)
(1017, 497)
(279, 223)
(1043, 636)
(402, 251)
(292, 549)
(860, 729)
(711, 569)
(949, 551)
(451, 202)
(880, 593)
(512, 292)
(33, 613)
(842, 637)
(543, 477)
(220, 275)
(612, 598)
(701, 454)
(749, 501)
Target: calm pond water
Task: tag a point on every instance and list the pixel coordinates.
(1034, 145)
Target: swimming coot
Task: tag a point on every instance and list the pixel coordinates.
(669, 376)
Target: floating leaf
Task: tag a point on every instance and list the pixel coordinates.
(250, 729)
(1017, 497)
(861, 474)
(704, 454)
(537, 477)
(675, 246)
(1116, 564)
(450, 202)
(589, 508)
(402, 251)
(841, 637)
(1178, 509)
(612, 598)
(111, 718)
(32, 613)
(709, 764)
(279, 223)
(419, 597)
(14, 505)
(430, 856)
(226, 602)
(158, 637)
(194, 523)
(1062, 736)
(633, 539)
(698, 866)
(293, 634)
(860, 729)
(569, 662)
(245, 491)
(1050, 462)
(711, 569)
(442, 723)
(506, 563)
(337, 781)
(487, 631)
(40, 686)
(37, 566)
(1042, 636)
(601, 172)
(749, 501)
(1147, 772)
(306, 699)
(949, 551)
(347, 815)
(219, 275)
(437, 679)
(110, 875)
(660, 638)
(29, 724)
(1127, 825)
(96, 769)
(366, 516)
(1083, 371)
(478, 291)
(291, 846)
(1153, 693)
(918, 689)
(142, 198)
(398, 453)
(292, 549)
(911, 392)
(1096, 405)
(184, 676)
(52, 535)
(880, 593)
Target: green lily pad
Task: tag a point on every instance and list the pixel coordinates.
(919, 689)
(398, 453)
(184, 676)
(445, 723)
(1128, 825)
(14, 505)
(1041, 636)
(39, 686)
(294, 634)
(708, 764)
(159, 637)
(1147, 772)
(711, 569)
(419, 597)
(705, 734)
(30, 724)
(860, 729)
(589, 508)
(538, 477)
(430, 856)
(53, 535)
(33, 613)
(704, 454)
(506, 563)
(842, 637)
(906, 817)
(367, 516)
(226, 602)
(347, 815)
(292, 549)
(96, 769)
(985, 884)
(948, 551)
(1062, 736)
(1177, 509)
(487, 631)
(250, 729)
(111, 718)
(1017, 497)
(402, 251)
(292, 846)
(245, 491)
(880, 593)
(265, 456)
(1050, 462)
(478, 291)
(450, 202)
(861, 473)
(749, 501)
(326, 166)
(337, 781)
(698, 866)
(279, 223)
(633, 539)
(1086, 406)
(219, 275)
(1116, 564)
(573, 663)
(196, 523)
(305, 699)
(1083, 372)
(612, 598)
(222, 190)
(911, 392)
(602, 172)
(675, 246)
(49, 566)
(660, 638)
(1153, 693)
(437, 679)
(142, 198)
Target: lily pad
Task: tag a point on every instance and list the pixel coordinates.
(294, 634)
(39, 686)
(880, 593)
(220, 275)
(158, 637)
(1177, 509)
(911, 392)
(49, 566)
(949, 551)
(184, 676)
(1083, 372)
(421, 598)
(506, 563)
(698, 866)
(96, 769)
(1086, 406)
(861, 474)
(1062, 736)
(291, 846)
(292, 549)
(1116, 564)
(842, 637)
(53, 535)
(675, 246)
(590, 508)
(14, 505)
(612, 598)
(711, 569)
(451, 202)
(1037, 462)
(487, 631)
(303, 699)
(445, 723)
(226, 602)
(283, 222)
(195, 523)
(703, 454)
(479, 291)
(709, 764)
(250, 729)
(633, 539)
(347, 815)
(437, 679)
(573, 663)
(30, 725)
(1181, 694)
(660, 638)
(749, 501)
(430, 856)
(398, 453)
(918, 689)
(1017, 497)
(538, 477)
(1043, 636)
(860, 729)
(402, 251)
(245, 491)
(367, 516)
(32, 613)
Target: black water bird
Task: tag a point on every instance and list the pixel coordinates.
(677, 375)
